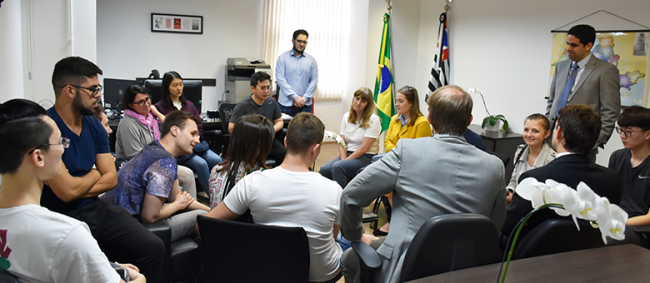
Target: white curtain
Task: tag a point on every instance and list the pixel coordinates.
(325, 22)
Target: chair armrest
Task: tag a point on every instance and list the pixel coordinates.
(641, 229)
(367, 255)
(161, 229)
(369, 261)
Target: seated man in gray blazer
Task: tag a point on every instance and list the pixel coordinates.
(431, 176)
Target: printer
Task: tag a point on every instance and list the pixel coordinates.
(238, 77)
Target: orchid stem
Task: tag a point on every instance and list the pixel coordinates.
(519, 227)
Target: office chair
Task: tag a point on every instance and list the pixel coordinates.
(181, 261)
(558, 235)
(443, 243)
(243, 252)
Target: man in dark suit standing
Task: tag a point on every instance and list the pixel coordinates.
(575, 134)
(585, 79)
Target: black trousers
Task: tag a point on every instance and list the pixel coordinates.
(278, 151)
(122, 238)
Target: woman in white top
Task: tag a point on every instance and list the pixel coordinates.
(359, 129)
(535, 153)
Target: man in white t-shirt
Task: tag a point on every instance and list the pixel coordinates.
(291, 195)
(38, 245)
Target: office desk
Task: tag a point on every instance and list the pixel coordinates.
(502, 142)
(627, 263)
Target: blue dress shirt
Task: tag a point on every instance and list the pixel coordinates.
(296, 76)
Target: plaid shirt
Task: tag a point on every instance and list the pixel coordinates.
(187, 106)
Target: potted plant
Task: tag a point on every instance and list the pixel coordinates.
(491, 122)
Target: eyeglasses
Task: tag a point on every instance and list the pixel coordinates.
(93, 91)
(143, 102)
(626, 133)
(302, 41)
(65, 142)
(266, 87)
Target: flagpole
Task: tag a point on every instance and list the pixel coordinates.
(392, 59)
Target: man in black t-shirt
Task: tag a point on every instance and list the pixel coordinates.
(633, 165)
(261, 103)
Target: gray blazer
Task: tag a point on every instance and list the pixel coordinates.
(598, 88)
(428, 176)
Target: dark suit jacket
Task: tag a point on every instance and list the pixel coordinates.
(598, 88)
(569, 170)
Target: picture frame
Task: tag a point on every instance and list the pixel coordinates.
(176, 23)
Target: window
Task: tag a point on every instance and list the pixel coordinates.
(325, 22)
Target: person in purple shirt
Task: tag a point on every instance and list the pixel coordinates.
(297, 75)
(149, 179)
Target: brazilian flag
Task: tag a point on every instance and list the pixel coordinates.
(384, 82)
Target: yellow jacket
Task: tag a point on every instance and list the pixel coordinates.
(421, 128)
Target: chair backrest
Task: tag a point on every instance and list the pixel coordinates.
(451, 242)
(243, 252)
(225, 111)
(558, 235)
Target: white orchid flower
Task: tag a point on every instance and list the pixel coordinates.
(538, 193)
(611, 221)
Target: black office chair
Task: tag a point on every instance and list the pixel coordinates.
(243, 252)
(558, 235)
(181, 261)
(443, 243)
(7, 277)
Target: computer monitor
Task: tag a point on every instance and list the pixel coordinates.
(192, 89)
(114, 90)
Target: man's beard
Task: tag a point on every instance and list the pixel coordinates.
(79, 106)
(295, 50)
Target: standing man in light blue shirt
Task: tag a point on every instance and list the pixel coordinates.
(297, 76)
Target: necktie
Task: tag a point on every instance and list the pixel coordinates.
(567, 88)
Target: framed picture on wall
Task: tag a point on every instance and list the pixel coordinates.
(176, 23)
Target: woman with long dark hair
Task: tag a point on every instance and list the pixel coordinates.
(250, 143)
(203, 159)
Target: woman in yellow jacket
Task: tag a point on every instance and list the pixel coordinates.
(409, 123)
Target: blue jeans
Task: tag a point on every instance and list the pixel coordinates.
(377, 157)
(343, 242)
(201, 164)
(293, 110)
(340, 170)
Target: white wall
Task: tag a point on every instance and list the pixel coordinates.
(11, 69)
(502, 47)
(48, 29)
(128, 49)
(34, 36)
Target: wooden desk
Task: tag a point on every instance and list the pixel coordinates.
(627, 263)
(502, 142)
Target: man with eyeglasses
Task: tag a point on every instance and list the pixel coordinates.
(261, 103)
(74, 191)
(633, 165)
(297, 75)
(38, 245)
